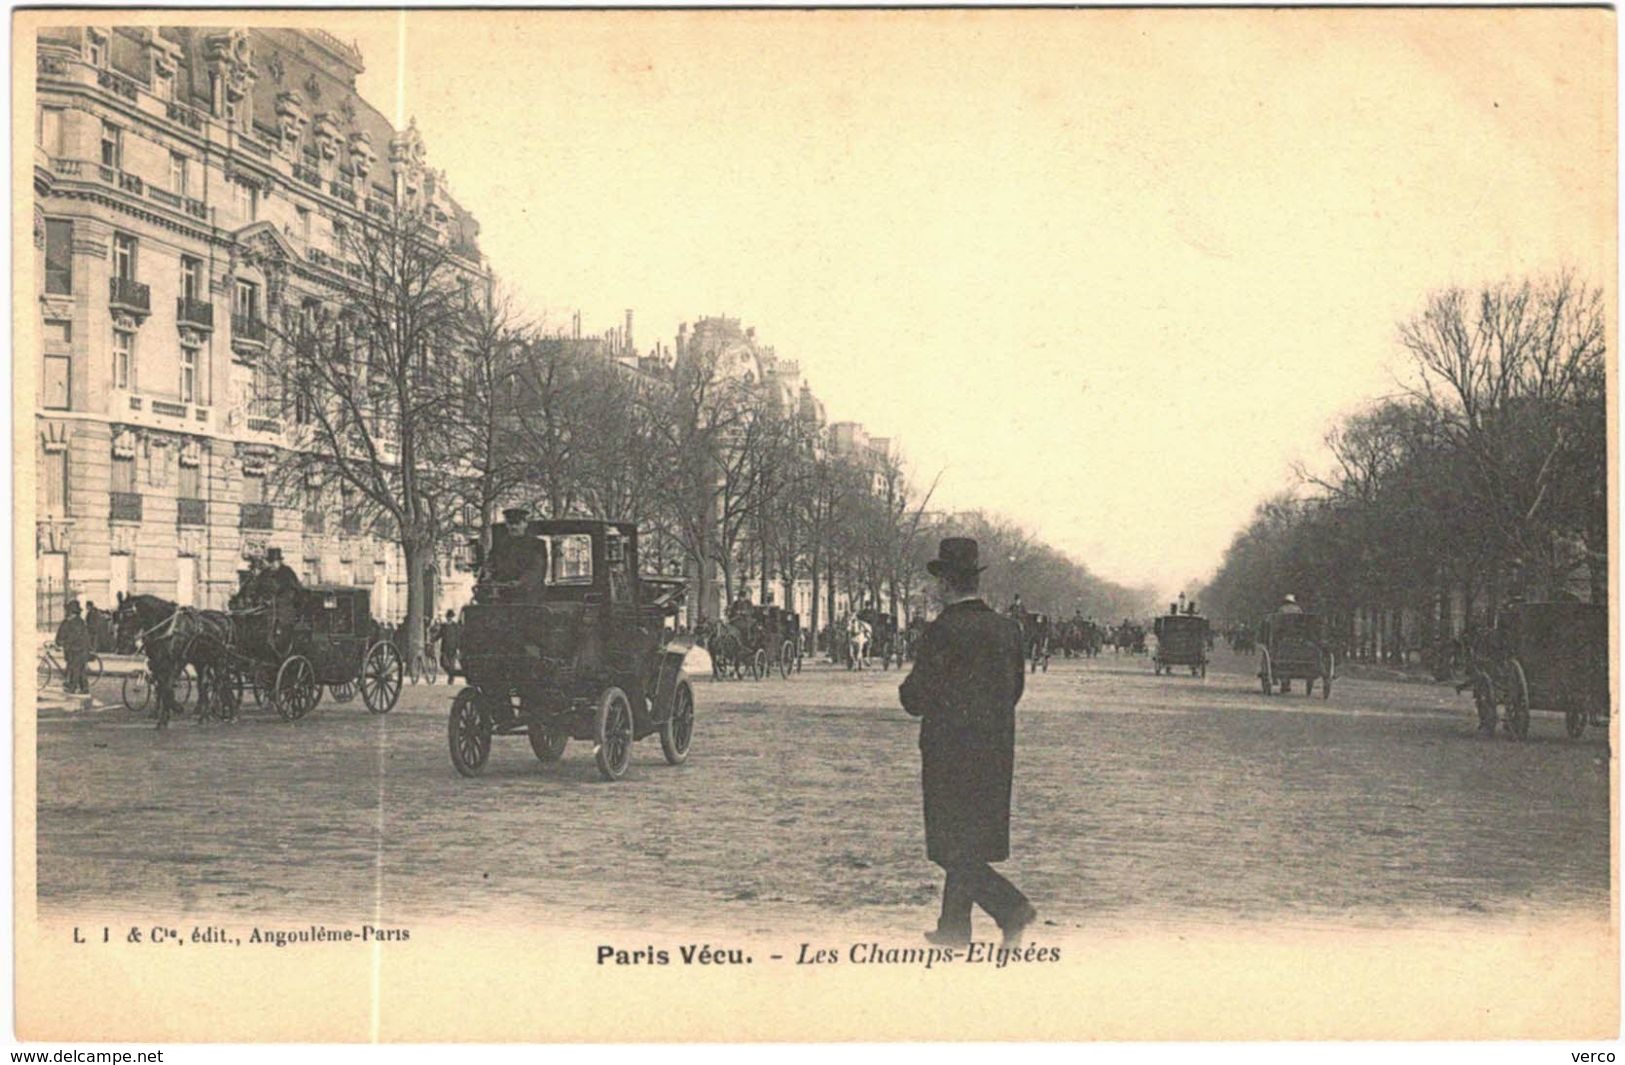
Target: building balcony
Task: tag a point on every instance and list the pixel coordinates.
(248, 335)
(130, 295)
(191, 512)
(186, 116)
(121, 179)
(199, 314)
(119, 85)
(257, 516)
(124, 506)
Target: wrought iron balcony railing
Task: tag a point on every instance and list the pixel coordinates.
(199, 313)
(129, 294)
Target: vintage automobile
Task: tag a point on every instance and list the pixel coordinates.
(1543, 656)
(1181, 641)
(566, 640)
(1293, 648)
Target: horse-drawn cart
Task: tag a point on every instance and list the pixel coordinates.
(1543, 656)
(1294, 649)
(1181, 641)
(565, 640)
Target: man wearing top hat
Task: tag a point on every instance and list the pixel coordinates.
(967, 678)
(73, 636)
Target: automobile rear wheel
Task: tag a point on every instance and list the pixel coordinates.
(469, 733)
(1517, 702)
(677, 732)
(547, 744)
(612, 734)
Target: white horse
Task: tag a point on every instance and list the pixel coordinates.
(859, 636)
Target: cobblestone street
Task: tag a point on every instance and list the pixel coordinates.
(1140, 802)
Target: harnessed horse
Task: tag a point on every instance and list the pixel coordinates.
(174, 637)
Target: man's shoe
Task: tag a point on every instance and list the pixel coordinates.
(938, 937)
(1018, 925)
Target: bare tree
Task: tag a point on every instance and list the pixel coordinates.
(368, 378)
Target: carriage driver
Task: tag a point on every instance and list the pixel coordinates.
(1289, 605)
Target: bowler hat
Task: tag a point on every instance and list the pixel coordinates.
(956, 554)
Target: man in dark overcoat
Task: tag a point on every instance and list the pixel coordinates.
(967, 678)
(73, 636)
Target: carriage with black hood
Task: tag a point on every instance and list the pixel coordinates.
(566, 640)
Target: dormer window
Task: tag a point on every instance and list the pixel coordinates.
(95, 48)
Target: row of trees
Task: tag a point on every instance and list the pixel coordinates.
(1483, 478)
(420, 403)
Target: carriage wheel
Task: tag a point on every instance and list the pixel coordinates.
(1266, 674)
(758, 664)
(1518, 702)
(612, 734)
(677, 731)
(294, 694)
(547, 744)
(787, 655)
(93, 668)
(137, 690)
(1574, 721)
(381, 677)
(218, 692)
(342, 693)
(468, 733)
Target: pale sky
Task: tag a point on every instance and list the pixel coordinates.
(1113, 272)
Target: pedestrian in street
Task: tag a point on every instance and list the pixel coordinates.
(968, 676)
(73, 636)
(451, 634)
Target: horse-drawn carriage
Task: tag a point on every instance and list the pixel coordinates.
(1036, 636)
(885, 638)
(1292, 647)
(1182, 640)
(1542, 656)
(755, 641)
(285, 647)
(566, 640)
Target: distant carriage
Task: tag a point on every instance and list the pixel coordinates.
(1182, 641)
(1293, 647)
(1543, 656)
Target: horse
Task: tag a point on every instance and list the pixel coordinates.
(174, 637)
(725, 646)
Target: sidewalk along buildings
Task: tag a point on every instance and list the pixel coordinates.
(188, 184)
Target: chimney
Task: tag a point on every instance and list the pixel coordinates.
(629, 329)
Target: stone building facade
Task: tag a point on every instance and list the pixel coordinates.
(188, 183)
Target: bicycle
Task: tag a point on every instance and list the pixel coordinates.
(421, 666)
(52, 667)
(137, 690)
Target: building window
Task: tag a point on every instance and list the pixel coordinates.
(163, 86)
(253, 489)
(124, 248)
(50, 130)
(178, 174)
(54, 475)
(96, 48)
(304, 223)
(191, 277)
(246, 199)
(112, 146)
(123, 475)
(191, 482)
(58, 257)
(246, 301)
(341, 235)
(123, 357)
(188, 374)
